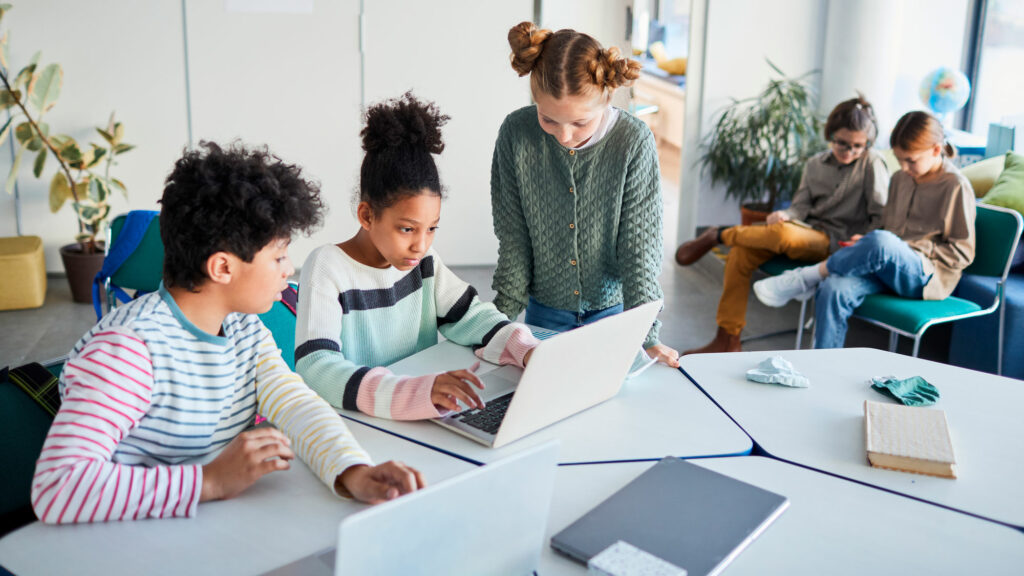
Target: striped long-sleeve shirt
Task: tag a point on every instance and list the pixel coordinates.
(354, 319)
(147, 395)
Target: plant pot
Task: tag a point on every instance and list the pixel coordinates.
(81, 268)
(751, 213)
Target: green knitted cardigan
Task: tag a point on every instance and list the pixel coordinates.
(577, 229)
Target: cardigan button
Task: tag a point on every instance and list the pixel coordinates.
(572, 152)
(572, 226)
(576, 292)
(573, 262)
(571, 190)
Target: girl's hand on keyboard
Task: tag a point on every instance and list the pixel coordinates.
(451, 387)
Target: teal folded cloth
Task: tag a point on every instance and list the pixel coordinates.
(913, 391)
(778, 370)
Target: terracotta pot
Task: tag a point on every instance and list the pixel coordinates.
(81, 268)
(751, 213)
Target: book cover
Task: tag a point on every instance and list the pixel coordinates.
(909, 439)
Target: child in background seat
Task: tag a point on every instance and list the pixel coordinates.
(841, 195)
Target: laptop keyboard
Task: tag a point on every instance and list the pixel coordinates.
(488, 419)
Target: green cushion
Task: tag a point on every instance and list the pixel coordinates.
(984, 174)
(911, 315)
(1008, 191)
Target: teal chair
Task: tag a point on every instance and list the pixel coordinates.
(997, 231)
(143, 269)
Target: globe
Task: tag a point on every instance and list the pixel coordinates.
(945, 90)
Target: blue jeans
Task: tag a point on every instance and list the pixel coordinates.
(879, 262)
(543, 316)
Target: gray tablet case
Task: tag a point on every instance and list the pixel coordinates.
(694, 518)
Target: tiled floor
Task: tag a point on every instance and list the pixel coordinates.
(691, 297)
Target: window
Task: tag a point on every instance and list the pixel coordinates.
(997, 61)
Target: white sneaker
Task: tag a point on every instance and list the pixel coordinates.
(778, 290)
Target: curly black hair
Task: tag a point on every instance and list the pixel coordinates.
(399, 137)
(235, 200)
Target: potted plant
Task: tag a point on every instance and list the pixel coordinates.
(759, 145)
(83, 173)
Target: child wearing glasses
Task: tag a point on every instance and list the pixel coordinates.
(925, 242)
(841, 196)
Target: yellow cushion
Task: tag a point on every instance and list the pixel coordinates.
(983, 174)
(23, 282)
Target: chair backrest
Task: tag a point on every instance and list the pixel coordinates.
(144, 268)
(997, 232)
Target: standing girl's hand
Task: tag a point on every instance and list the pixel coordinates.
(456, 385)
(664, 354)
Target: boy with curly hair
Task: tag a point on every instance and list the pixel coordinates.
(178, 376)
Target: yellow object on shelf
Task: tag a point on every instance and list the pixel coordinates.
(674, 66)
(23, 281)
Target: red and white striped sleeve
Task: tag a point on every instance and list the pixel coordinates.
(107, 389)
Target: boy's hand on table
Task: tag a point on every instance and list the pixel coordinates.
(450, 387)
(664, 354)
(380, 483)
(250, 456)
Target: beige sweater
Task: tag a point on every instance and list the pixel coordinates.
(936, 218)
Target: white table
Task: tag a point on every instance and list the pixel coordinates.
(823, 426)
(659, 413)
(832, 526)
(284, 516)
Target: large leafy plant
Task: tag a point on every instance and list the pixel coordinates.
(759, 145)
(83, 173)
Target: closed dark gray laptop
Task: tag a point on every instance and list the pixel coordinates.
(694, 518)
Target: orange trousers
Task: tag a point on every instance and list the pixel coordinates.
(751, 246)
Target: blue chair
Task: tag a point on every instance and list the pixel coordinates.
(997, 232)
(134, 260)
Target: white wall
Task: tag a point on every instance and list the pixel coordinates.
(464, 69)
(880, 47)
(885, 49)
(118, 55)
(289, 80)
(738, 36)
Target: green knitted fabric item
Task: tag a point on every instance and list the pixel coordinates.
(578, 230)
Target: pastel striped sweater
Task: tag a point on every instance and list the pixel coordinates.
(354, 319)
(147, 396)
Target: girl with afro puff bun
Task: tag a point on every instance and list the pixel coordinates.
(384, 293)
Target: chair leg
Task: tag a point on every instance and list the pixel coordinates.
(800, 325)
(917, 344)
(999, 345)
(893, 339)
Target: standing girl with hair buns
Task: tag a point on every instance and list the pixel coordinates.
(926, 240)
(841, 196)
(384, 294)
(575, 190)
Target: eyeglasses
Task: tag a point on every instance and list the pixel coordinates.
(849, 146)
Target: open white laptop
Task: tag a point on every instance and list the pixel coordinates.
(490, 520)
(567, 373)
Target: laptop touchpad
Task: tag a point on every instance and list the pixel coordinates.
(500, 382)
